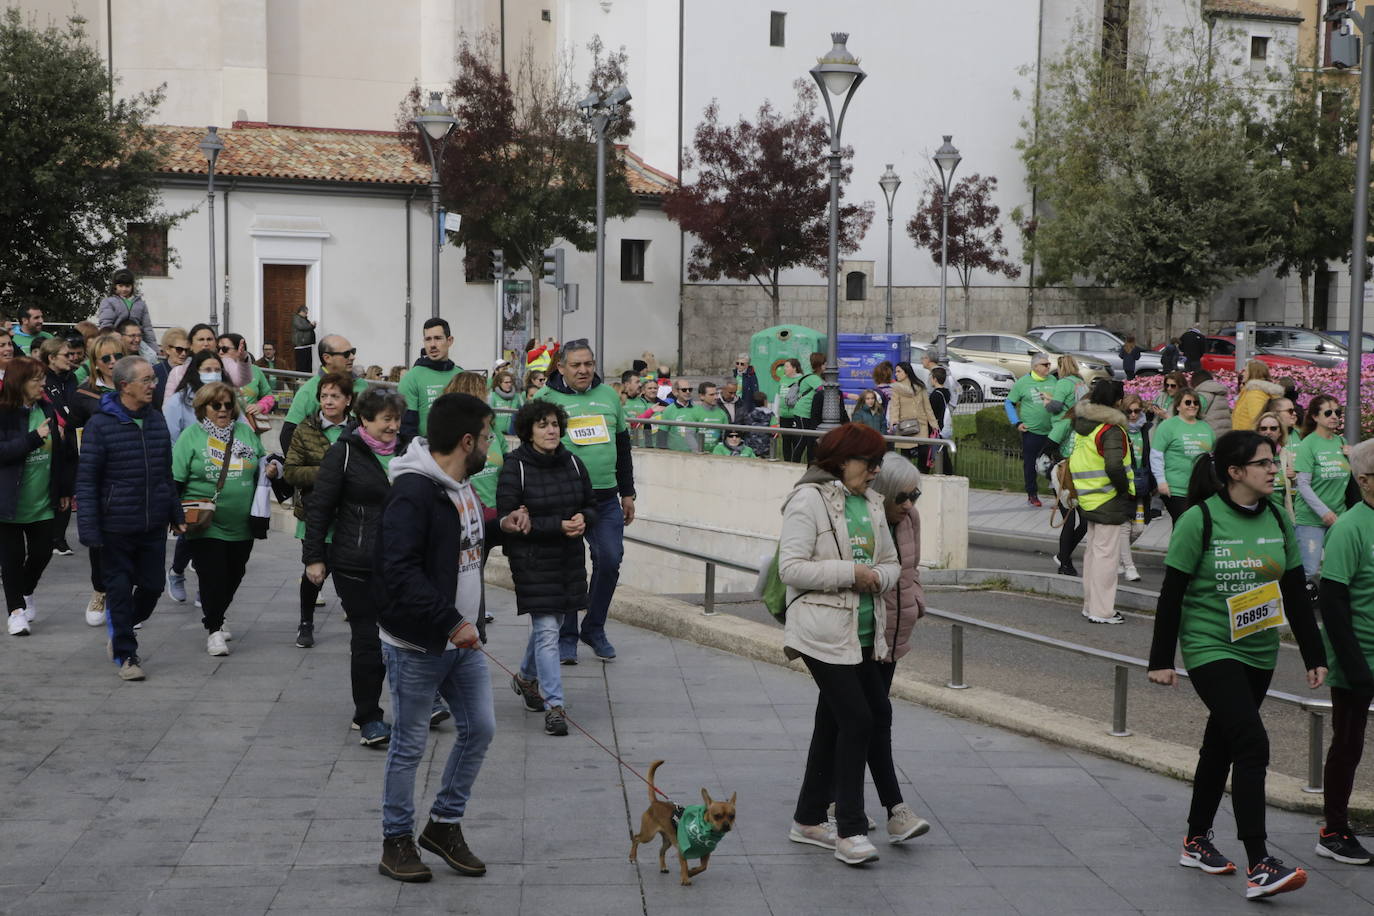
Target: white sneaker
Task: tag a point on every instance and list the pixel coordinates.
(1120, 568)
(1132, 575)
(822, 835)
(19, 623)
(95, 610)
(904, 824)
(30, 609)
(215, 644)
(224, 628)
(830, 817)
(855, 850)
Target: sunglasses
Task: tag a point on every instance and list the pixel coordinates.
(1132, 410)
(179, 350)
(221, 405)
(684, 389)
(732, 435)
(109, 357)
(1189, 404)
(1289, 410)
(1268, 429)
(1333, 412)
(906, 497)
(1170, 385)
(227, 349)
(346, 354)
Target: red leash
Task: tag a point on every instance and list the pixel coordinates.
(589, 735)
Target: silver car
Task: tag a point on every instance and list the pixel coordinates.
(1098, 342)
(977, 382)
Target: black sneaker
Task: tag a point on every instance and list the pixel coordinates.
(1270, 876)
(555, 722)
(1198, 852)
(437, 715)
(1343, 847)
(1066, 567)
(401, 860)
(529, 692)
(446, 841)
(305, 636)
(62, 549)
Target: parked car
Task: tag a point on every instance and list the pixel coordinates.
(977, 381)
(1098, 341)
(1221, 354)
(1343, 338)
(1013, 352)
(1299, 343)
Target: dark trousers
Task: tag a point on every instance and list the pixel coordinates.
(59, 528)
(850, 710)
(793, 447)
(309, 592)
(1174, 505)
(24, 553)
(97, 574)
(181, 555)
(1349, 714)
(131, 571)
(1031, 446)
(220, 566)
(880, 765)
(808, 443)
(1071, 534)
(303, 358)
(1234, 741)
(366, 670)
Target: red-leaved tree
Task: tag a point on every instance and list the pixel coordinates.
(759, 201)
(975, 234)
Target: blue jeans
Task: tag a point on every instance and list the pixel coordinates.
(1310, 541)
(541, 658)
(606, 542)
(460, 676)
(131, 567)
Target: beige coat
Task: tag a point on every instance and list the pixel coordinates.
(815, 563)
(910, 403)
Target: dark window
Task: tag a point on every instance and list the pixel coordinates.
(777, 29)
(632, 259)
(855, 285)
(1116, 16)
(1259, 51)
(146, 244)
(1331, 27)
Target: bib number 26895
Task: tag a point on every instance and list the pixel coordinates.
(1260, 608)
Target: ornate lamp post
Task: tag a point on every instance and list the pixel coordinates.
(211, 146)
(435, 124)
(947, 158)
(889, 182)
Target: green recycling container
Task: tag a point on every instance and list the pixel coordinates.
(771, 346)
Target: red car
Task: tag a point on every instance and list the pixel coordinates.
(1221, 354)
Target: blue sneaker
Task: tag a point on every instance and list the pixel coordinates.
(176, 587)
(601, 646)
(375, 733)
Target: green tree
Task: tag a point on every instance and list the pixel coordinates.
(78, 167)
(1145, 174)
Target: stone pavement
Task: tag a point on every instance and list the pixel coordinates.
(234, 786)
(1002, 513)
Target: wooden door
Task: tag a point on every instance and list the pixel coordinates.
(283, 292)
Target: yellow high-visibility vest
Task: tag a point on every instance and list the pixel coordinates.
(1088, 468)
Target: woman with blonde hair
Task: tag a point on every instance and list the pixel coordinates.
(1132, 407)
(1256, 391)
(1270, 425)
(1163, 404)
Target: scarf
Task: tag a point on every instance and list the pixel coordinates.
(241, 449)
(381, 448)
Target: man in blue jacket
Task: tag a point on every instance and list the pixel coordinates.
(126, 500)
(429, 641)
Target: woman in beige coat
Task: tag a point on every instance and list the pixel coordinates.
(910, 404)
(836, 557)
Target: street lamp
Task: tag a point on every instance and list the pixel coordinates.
(947, 158)
(601, 111)
(211, 146)
(435, 124)
(889, 182)
(837, 73)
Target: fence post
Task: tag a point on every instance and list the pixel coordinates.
(1119, 691)
(956, 658)
(1314, 752)
(710, 604)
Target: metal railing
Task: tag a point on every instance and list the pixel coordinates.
(711, 561)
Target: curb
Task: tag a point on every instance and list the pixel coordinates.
(763, 643)
(978, 537)
(1051, 584)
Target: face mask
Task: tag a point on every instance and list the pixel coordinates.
(207, 377)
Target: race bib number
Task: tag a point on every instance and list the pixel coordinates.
(1258, 609)
(590, 430)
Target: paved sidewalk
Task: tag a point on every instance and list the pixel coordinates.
(234, 786)
(999, 512)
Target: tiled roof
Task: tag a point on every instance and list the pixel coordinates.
(255, 149)
(1251, 9)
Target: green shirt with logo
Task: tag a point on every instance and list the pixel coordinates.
(744, 451)
(1348, 558)
(196, 462)
(864, 546)
(35, 482)
(501, 422)
(1029, 395)
(484, 481)
(807, 387)
(1246, 551)
(710, 438)
(421, 386)
(595, 418)
(307, 399)
(1330, 469)
(678, 440)
(1181, 442)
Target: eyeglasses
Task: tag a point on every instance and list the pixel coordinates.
(1333, 412)
(221, 405)
(178, 350)
(906, 497)
(146, 380)
(1132, 410)
(224, 349)
(350, 352)
(1189, 404)
(1267, 463)
(1268, 429)
(684, 389)
(109, 357)
(1170, 384)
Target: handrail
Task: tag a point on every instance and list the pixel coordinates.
(691, 554)
(306, 376)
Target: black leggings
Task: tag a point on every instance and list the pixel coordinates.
(366, 670)
(24, 553)
(1349, 714)
(1174, 505)
(1071, 534)
(309, 592)
(852, 713)
(220, 566)
(1234, 741)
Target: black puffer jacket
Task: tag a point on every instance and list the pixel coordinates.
(350, 487)
(548, 566)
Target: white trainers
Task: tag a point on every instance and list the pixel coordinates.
(830, 817)
(1132, 575)
(904, 824)
(224, 628)
(855, 850)
(95, 610)
(30, 609)
(19, 623)
(822, 835)
(215, 644)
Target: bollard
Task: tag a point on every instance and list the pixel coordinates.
(1119, 729)
(956, 658)
(1314, 753)
(710, 605)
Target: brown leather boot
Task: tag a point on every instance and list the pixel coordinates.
(401, 860)
(446, 841)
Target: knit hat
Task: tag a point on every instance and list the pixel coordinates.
(123, 275)
(897, 475)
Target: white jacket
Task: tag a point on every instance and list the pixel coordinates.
(816, 565)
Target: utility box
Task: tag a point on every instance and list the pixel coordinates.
(859, 353)
(769, 348)
(1245, 343)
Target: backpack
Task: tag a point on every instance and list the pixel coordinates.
(773, 591)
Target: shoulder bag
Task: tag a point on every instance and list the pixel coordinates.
(200, 513)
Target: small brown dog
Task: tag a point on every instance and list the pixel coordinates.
(693, 831)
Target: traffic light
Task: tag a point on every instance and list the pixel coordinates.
(553, 266)
(498, 264)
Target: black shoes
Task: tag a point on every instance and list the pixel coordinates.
(446, 841)
(305, 636)
(401, 860)
(1343, 847)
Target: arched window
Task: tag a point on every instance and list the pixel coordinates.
(856, 285)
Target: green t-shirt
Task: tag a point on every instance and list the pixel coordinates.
(1246, 552)
(501, 422)
(864, 545)
(1294, 437)
(744, 451)
(258, 387)
(81, 372)
(35, 490)
(307, 399)
(1330, 469)
(784, 411)
(1028, 395)
(807, 387)
(677, 435)
(422, 386)
(1279, 496)
(484, 481)
(332, 433)
(1348, 558)
(710, 438)
(196, 462)
(23, 345)
(1067, 391)
(595, 418)
(1181, 442)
